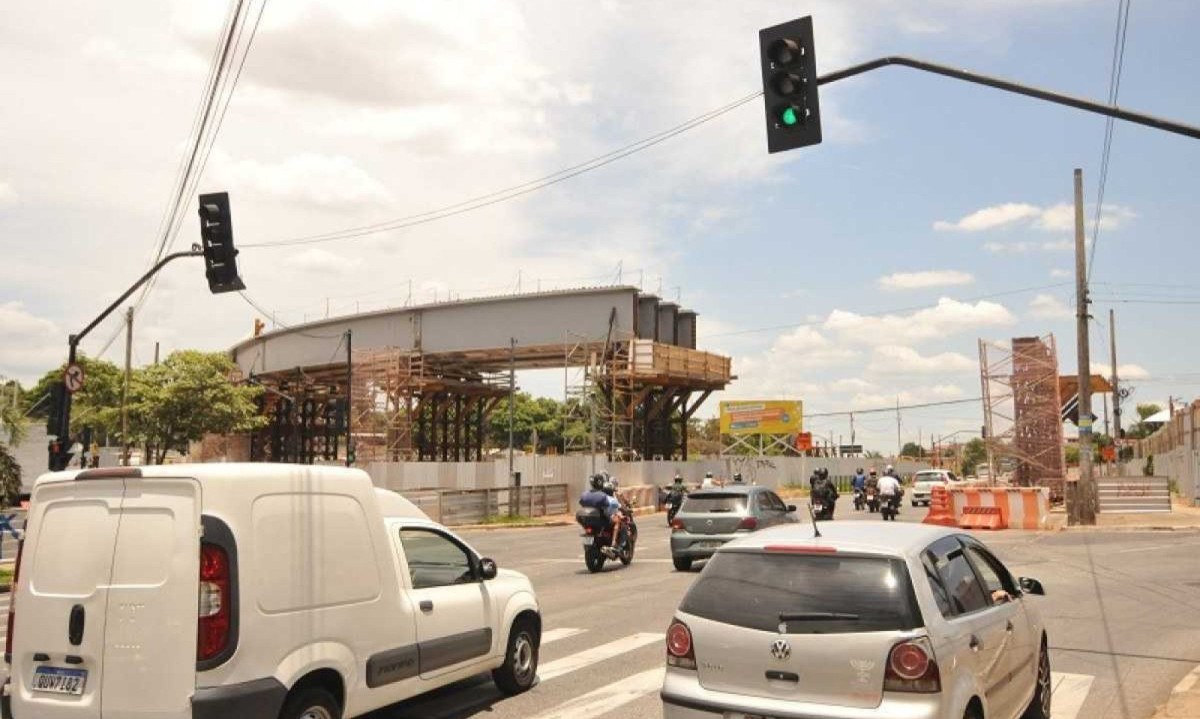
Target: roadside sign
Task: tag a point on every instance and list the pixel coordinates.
(74, 378)
(850, 449)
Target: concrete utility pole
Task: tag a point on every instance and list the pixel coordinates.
(350, 458)
(155, 353)
(1116, 390)
(852, 429)
(512, 393)
(899, 447)
(1082, 510)
(125, 389)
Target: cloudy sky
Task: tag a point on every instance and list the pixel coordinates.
(846, 274)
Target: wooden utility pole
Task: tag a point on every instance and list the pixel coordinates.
(125, 389)
(1081, 508)
(1116, 390)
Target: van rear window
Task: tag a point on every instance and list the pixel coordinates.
(827, 594)
(704, 503)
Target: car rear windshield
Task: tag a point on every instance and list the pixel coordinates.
(930, 477)
(856, 594)
(701, 503)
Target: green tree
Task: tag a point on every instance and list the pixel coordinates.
(529, 413)
(974, 454)
(704, 436)
(12, 427)
(97, 405)
(912, 449)
(186, 397)
(1140, 429)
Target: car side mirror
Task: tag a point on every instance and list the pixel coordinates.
(791, 508)
(487, 568)
(1031, 586)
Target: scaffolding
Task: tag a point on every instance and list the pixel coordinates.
(1022, 410)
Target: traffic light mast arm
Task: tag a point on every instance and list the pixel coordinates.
(75, 339)
(1000, 84)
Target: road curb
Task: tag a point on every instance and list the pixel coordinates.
(520, 525)
(1147, 528)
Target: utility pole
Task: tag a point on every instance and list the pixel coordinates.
(1116, 390)
(852, 428)
(349, 398)
(512, 392)
(155, 353)
(899, 446)
(125, 388)
(1082, 510)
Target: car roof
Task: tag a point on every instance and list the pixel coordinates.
(895, 539)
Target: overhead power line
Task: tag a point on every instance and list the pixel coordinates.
(1114, 89)
(892, 408)
(515, 191)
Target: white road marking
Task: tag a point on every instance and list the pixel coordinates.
(1144, 549)
(1068, 694)
(606, 699)
(553, 635)
(586, 658)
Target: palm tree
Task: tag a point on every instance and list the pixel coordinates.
(12, 425)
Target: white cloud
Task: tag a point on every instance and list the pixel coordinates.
(1011, 248)
(990, 218)
(1049, 307)
(29, 345)
(913, 395)
(947, 317)
(1059, 273)
(1124, 371)
(898, 359)
(1053, 218)
(316, 259)
(7, 194)
(924, 280)
(322, 180)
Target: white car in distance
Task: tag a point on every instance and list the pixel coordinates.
(925, 480)
(866, 621)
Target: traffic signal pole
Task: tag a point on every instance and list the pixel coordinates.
(73, 341)
(1059, 98)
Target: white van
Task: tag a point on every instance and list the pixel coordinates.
(249, 590)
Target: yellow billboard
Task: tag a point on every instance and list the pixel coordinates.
(762, 417)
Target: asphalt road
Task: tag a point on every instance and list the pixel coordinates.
(1120, 610)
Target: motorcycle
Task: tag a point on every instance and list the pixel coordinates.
(891, 508)
(823, 509)
(598, 540)
(860, 499)
(673, 501)
(872, 499)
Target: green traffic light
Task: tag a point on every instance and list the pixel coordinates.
(788, 117)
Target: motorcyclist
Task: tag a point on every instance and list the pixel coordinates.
(737, 478)
(860, 480)
(614, 513)
(675, 495)
(889, 487)
(595, 497)
(872, 480)
(708, 480)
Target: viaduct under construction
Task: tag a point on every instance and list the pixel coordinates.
(418, 383)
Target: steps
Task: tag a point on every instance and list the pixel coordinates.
(1134, 495)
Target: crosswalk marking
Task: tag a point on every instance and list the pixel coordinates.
(1068, 694)
(606, 699)
(566, 665)
(553, 635)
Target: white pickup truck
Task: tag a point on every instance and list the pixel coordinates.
(249, 590)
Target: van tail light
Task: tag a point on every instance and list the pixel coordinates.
(749, 523)
(214, 610)
(12, 605)
(911, 667)
(680, 652)
(677, 525)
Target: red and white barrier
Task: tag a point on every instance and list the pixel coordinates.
(1020, 507)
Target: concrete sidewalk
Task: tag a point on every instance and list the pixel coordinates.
(1184, 702)
(1181, 517)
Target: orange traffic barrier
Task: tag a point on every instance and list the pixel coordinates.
(941, 511)
(1019, 507)
(981, 518)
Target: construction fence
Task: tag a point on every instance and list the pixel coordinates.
(1175, 448)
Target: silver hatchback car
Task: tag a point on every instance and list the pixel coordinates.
(709, 518)
(868, 620)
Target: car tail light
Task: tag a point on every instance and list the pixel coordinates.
(680, 652)
(587, 530)
(677, 525)
(748, 523)
(911, 667)
(12, 605)
(214, 609)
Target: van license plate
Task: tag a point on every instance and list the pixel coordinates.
(59, 680)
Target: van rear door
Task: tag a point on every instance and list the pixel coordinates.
(69, 542)
(150, 635)
(107, 621)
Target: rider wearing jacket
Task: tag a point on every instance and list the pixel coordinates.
(860, 480)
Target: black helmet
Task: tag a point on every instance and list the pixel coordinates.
(610, 487)
(823, 473)
(598, 481)
(858, 471)
(737, 476)
(678, 477)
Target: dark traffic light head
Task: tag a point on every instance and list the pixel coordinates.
(789, 70)
(216, 235)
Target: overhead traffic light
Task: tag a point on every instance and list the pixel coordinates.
(789, 70)
(216, 234)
